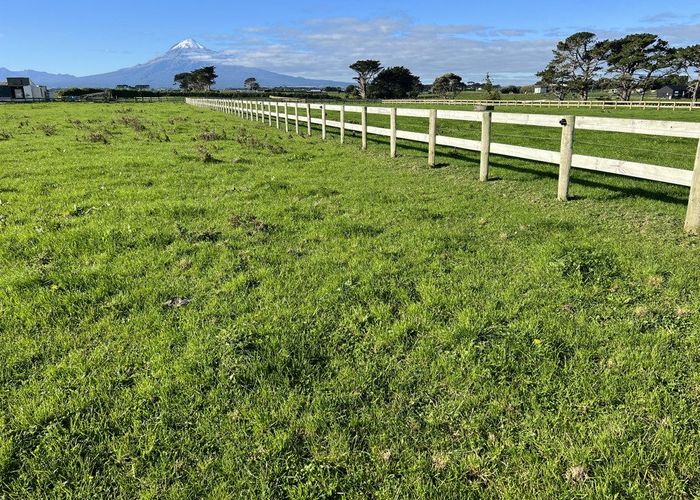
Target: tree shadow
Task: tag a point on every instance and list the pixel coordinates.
(616, 192)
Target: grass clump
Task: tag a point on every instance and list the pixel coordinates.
(212, 135)
(133, 122)
(100, 137)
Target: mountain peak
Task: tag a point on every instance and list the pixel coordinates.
(188, 44)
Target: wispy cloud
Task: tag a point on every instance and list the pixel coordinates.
(323, 48)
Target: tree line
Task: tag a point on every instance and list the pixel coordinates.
(638, 62)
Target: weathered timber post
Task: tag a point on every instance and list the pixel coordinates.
(277, 114)
(692, 217)
(308, 119)
(364, 127)
(342, 124)
(567, 153)
(286, 117)
(323, 122)
(296, 117)
(485, 146)
(432, 135)
(269, 114)
(392, 136)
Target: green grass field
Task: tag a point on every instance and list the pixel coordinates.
(192, 304)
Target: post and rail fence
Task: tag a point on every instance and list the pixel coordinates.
(550, 103)
(279, 113)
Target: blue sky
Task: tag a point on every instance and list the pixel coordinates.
(510, 39)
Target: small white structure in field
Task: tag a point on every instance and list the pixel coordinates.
(541, 89)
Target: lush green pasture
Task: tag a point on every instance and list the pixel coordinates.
(196, 305)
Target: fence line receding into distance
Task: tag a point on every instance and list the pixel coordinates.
(287, 113)
(543, 103)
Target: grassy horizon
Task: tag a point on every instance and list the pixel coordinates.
(193, 304)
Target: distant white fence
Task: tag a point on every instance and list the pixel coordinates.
(288, 113)
(668, 104)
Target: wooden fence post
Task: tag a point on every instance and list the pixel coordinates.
(392, 137)
(364, 127)
(323, 122)
(567, 153)
(308, 119)
(342, 124)
(296, 117)
(286, 117)
(277, 114)
(269, 114)
(432, 134)
(485, 146)
(692, 217)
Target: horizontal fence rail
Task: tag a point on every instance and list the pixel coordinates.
(287, 114)
(549, 103)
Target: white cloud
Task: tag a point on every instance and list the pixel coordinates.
(323, 48)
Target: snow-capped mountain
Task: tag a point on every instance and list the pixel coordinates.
(187, 44)
(186, 55)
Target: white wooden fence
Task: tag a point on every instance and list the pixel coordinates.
(544, 103)
(287, 114)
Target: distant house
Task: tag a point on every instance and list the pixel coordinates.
(673, 92)
(22, 89)
(540, 89)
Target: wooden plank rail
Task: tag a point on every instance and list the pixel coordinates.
(565, 157)
(667, 104)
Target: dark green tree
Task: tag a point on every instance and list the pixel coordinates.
(556, 80)
(577, 62)
(396, 82)
(688, 61)
(491, 90)
(197, 80)
(449, 83)
(206, 77)
(636, 61)
(251, 84)
(184, 80)
(366, 71)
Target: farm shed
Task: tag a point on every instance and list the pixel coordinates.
(22, 88)
(673, 92)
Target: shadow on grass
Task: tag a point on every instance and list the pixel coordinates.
(617, 192)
